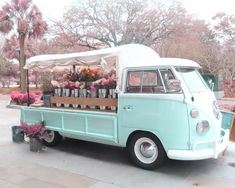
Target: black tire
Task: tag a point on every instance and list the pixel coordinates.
(55, 140)
(146, 151)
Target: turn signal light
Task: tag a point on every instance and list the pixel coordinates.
(194, 113)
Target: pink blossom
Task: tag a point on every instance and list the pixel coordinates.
(26, 15)
(104, 81)
(54, 83)
(6, 7)
(22, 98)
(3, 16)
(22, 25)
(34, 130)
(92, 88)
(24, 4)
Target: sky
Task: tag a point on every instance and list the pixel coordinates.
(53, 8)
(206, 9)
(203, 9)
(50, 9)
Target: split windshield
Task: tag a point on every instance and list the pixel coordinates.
(193, 79)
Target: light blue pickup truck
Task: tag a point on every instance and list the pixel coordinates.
(164, 107)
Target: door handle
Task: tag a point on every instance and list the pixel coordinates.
(128, 107)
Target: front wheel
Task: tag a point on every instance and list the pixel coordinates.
(53, 138)
(146, 151)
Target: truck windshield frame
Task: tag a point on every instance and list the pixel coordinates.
(192, 79)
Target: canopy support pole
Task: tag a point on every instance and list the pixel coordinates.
(28, 101)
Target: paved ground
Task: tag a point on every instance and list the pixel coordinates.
(78, 164)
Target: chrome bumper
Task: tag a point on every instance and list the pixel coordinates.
(219, 145)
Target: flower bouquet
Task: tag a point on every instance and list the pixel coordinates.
(36, 133)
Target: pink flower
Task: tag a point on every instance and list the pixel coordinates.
(104, 81)
(22, 98)
(34, 130)
(92, 88)
(54, 83)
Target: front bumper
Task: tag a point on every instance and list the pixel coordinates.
(219, 145)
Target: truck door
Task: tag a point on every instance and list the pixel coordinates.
(146, 104)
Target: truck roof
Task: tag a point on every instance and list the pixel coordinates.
(177, 62)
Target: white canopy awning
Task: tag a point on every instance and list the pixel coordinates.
(94, 57)
(131, 55)
(83, 58)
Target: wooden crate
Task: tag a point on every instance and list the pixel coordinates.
(107, 102)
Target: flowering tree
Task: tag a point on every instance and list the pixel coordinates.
(2, 41)
(98, 24)
(24, 19)
(8, 71)
(224, 26)
(33, 47)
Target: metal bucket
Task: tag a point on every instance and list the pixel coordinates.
(35, 145)
(17, 134)
(102, 94)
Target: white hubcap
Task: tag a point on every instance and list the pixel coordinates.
(146, 150)
(50, 136)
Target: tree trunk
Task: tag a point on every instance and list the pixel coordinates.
(8, 83)
(23, 73)
(3, 84)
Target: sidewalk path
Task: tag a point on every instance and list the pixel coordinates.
(19, 173)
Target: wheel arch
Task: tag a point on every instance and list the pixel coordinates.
(143, 131)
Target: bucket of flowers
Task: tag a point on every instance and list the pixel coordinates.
(92, 93)
(36, 133)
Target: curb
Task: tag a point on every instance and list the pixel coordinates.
(14, 106)
(228, 99)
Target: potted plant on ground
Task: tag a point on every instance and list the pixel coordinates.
(36, 133)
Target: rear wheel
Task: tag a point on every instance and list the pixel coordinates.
(146, 151)
(53, 138)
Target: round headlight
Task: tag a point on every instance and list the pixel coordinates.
(203, 127)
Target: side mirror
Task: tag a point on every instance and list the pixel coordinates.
(211, 84)
(174, 85)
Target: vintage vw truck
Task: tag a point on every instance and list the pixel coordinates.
(164, 107)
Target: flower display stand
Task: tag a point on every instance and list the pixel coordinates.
(88, 102)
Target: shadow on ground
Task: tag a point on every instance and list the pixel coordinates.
(118, 155)
(94, 150)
